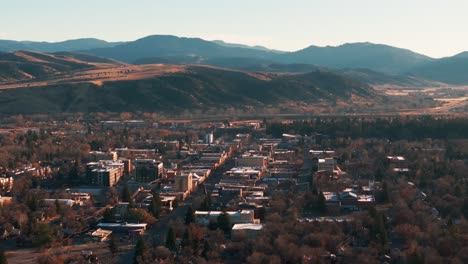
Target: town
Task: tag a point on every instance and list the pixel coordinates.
(256, 191)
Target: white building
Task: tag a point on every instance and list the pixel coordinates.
(237, 217)
(209, 138)
(327, 164)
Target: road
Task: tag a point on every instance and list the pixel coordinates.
(157, 234)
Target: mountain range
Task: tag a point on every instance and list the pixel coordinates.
(68, 45)
(400, 63)
(173, 74)
(75, 82)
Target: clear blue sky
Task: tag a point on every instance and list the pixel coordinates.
(434, 27)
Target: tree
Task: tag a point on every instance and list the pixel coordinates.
(170, 239)
(32, 203)
(175, 203)
(141, 250)
(224, 222)
(384, 194)
(187, 238)
(206, 249)
(44, 236)
(58, 209)
(3, 258)
(189, 216)
(162, 252)
(379, 230)
(321, 205)
(206, 204)
(155, 205)
(50, 259)
(126, 194)
(108, 215)
(113, 245)
(140, 215)
(465, 208)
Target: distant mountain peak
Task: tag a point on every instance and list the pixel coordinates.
(67, 45)
(463, 54)
(235, 45)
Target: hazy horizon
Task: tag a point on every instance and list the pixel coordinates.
(431, 27)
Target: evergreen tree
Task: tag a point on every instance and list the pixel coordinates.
(206, 249)
(113, 245)
(108, 216)
(44, 236)
(171, 239)
(415, 258)
(126, 194)
(206, 204)
(175, 203)
(187, 238)
(155, 205)
(141, 249)
(75, 170)
(58, 209)
(321, 205)
(224, 222)
(384, 196)
(465, 208)
(379, 231)
(189, 216)
(32, 203)
(3, 258)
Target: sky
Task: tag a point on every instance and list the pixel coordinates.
(433, 27)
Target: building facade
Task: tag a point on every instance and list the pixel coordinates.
(148, 170)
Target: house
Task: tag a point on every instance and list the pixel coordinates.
(326, 164)
(250, 173)
(6, 183)
(322, 153)
(121, 209)
(5, 199)
(79, 198)
(183, 182)
(250, 160)
(348, 199)
(237, 217)
(332, 202)
(166, 201)
(100, 155)
(100, 235)
(63, 202)
(122, 227)
(283, 154)
(240, 231)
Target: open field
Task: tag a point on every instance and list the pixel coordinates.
(103, 73)
(453, 98)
